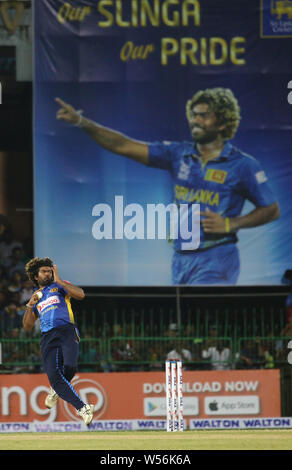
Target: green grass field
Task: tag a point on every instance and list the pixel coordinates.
(150, 440)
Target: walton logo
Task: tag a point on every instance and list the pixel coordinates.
(90, 392)
(276, 18)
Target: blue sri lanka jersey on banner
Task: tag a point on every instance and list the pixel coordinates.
(54, 308)
(132, 66)
(222, 184)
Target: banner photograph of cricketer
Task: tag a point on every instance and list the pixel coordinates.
(166, 158)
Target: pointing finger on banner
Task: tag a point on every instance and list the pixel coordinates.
(62, 103)
(67, 113)
(65, 107)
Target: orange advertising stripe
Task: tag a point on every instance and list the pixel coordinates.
(140, 395)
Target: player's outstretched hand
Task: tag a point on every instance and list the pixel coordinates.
(67, 113)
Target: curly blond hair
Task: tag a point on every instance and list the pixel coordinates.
(223, 103)
(33, 266)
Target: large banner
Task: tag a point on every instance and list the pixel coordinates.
(173, 166)
(118, 397)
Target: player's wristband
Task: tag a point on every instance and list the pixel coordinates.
(29, 306)
(227, 224)
(79, 122)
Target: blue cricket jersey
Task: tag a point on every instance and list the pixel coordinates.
(222, 184)
(54, 308)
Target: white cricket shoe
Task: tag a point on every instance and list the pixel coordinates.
(51, 398)
(86, 412)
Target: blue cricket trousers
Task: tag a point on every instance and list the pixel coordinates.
(218, 265)
(60, 349)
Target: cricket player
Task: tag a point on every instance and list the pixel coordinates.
(60, 338)
(207, 170)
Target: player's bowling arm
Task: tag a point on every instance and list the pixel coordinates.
(29, 318)
(259, 216)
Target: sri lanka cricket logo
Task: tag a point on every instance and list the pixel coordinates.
(281, 7)
(276, 18)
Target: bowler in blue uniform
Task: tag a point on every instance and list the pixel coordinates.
(208, 170)
(60, 338)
